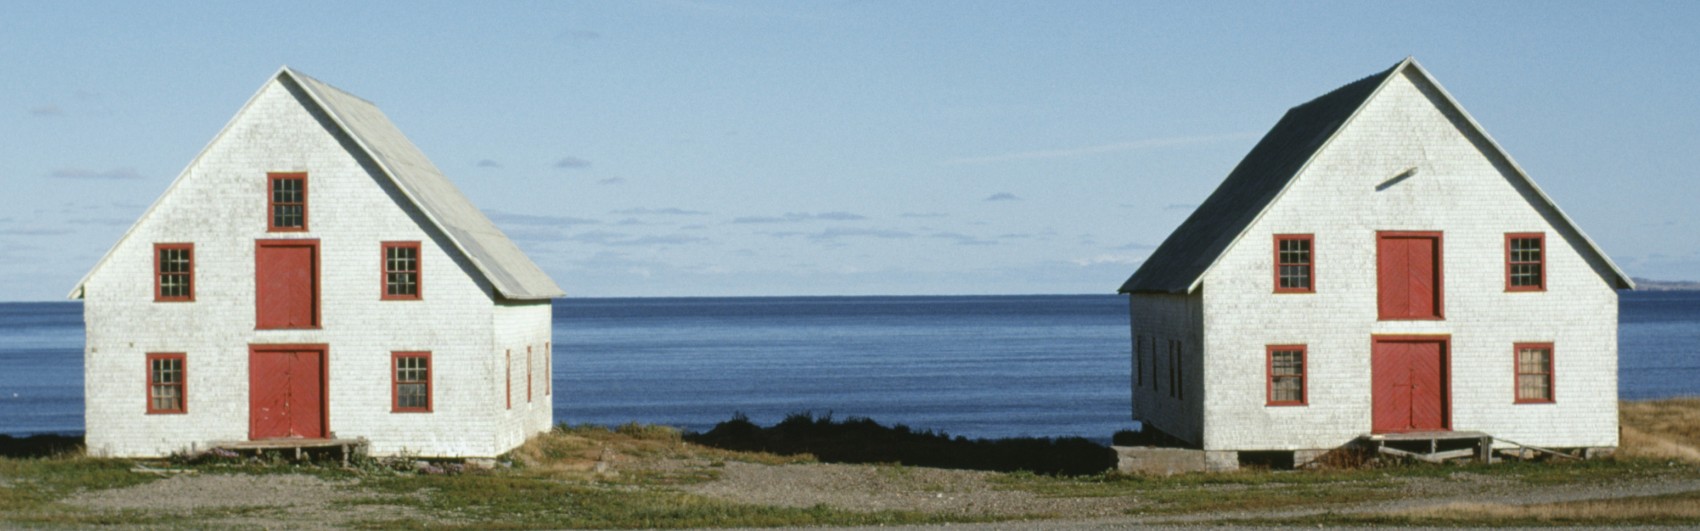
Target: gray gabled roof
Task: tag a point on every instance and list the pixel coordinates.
(508, 269)
(1179, 264)
(510, 272)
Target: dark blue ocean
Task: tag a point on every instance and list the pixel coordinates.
(975, 366)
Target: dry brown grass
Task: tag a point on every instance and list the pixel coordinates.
(1683, 507)
(589, 450)
(1661, 429)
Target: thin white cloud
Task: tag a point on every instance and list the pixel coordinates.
(669, 211)
(47, 110)
(533, 219)
(796, 217)
(1061, 153)
(1121, 259)
(611, 180)
(1002, 196)
(488, 163)
(572, 163)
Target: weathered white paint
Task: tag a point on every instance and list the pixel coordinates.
(1462, 188)
(219, 205)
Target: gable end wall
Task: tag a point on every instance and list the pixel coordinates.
(219, 205)
(1461, 189)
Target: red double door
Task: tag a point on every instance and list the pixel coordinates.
(286, 383)
(286, 392)
(1410, 385)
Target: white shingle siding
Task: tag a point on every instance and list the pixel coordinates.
(219, 204)
(1157, 320)
(1462, 188)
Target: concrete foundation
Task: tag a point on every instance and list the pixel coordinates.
(1169, 461)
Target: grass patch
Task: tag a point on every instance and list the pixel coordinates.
(31, 488)
(1661, 429)
(519, 500)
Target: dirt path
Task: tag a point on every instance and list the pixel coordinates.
(270, 501)
(296, 501)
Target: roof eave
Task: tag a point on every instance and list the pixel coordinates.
(1394, 72)
(389, 173)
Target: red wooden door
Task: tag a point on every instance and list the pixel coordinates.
(1409, 388)
(286, 392)
(1408, 275)
(286, 284)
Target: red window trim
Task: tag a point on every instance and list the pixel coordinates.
(384, 272)
(270, 218)
(1310, 266)
(159, 296)
(395, 382)
(182, 383)
(1439, 274)
(1540, 236)
(1552, 376)
(318, 304)
(1269, 375)
(528, 373)
(509, 356)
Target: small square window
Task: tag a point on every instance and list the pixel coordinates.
(1294, 263)
(174, 272)
(401, 271)
(286, 202)
(1525, 262)
(1534, 373)
(411, 382)
(1286, 375)
(166, 389)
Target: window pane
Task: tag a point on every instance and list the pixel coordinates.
(411, 396)
(1533, 361)
(1288, 389)
(288, 203)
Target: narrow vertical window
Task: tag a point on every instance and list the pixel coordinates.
(1174, 370)
(401, 271)
(166, 391)
(1139, 361)
(1525, 262)
(508, 355)
(1180, 370)
(528, 373)
(410, 382)
(548, 369)
(1294, 263)
(286, 202)
(1151, 355)
(174, 272)
(1286, 371)
(1534, 373)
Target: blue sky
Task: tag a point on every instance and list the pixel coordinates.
(685, 148)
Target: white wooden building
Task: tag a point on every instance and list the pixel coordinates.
(1377, 264)
(311, 275)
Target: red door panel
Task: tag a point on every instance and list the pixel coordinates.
(1408, 389)
(286, 284)
(1408, 276)
(286, 392)
(268, 395)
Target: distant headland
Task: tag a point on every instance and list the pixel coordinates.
(1646, 284)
